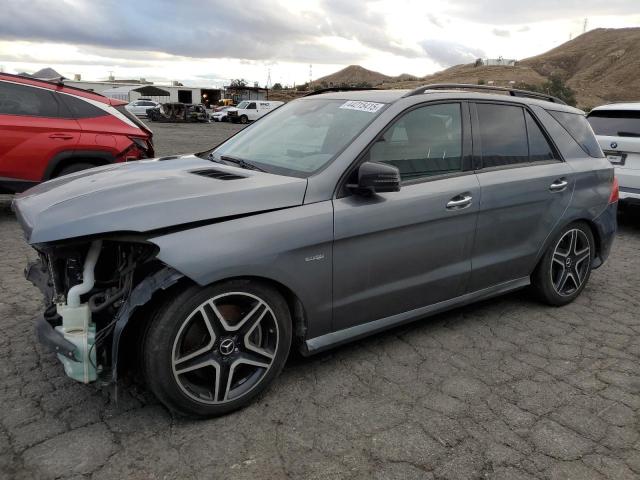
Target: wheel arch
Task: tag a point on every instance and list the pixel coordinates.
(131, 327)
(69, 157)
(594, 231)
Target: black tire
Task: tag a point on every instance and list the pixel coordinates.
(73, 168)
(244, 120)
(565, 268)
(184, 364)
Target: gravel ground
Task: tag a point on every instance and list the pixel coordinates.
(504, 389)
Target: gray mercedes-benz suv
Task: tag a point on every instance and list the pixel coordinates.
(336, 216)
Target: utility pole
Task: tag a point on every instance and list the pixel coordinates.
(310, 75)
(269, 78)
(586, 22)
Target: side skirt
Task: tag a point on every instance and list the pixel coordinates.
(340, 337)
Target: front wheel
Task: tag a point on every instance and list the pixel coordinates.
(211, 350)
(565, 267)
(244, 119)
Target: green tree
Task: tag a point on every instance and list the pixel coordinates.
(238, 82)
(556, 87)
(277, 86)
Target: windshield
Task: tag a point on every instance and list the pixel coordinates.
(301, 137)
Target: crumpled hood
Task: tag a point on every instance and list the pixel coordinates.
(148, 195)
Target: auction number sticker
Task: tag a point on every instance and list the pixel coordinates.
(370, 107)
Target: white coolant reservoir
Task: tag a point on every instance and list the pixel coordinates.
(77, 326)
(78, 329)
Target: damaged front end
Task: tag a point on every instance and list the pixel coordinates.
(91, 289)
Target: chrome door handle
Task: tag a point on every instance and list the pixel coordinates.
(558, 185)
(459, 201)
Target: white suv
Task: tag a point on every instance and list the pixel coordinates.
(250, 110)
(617, 128)
(140, 106)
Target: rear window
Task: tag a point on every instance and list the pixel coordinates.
(615, 123)
(131, 117)
(578, 127)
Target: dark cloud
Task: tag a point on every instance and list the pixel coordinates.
(259, 30)
(447, 53)
(508, 11)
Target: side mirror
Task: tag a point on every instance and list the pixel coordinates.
(376, 177)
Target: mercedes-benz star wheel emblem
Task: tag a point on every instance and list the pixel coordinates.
(227, 346)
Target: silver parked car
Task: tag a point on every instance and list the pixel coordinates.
(338, 215)
(140, 106)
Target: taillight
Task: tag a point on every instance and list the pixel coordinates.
(141, 148)
(615, 191)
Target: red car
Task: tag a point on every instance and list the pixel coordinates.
(49, 129)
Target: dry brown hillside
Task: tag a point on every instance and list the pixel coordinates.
(353, 74)
(601, 66)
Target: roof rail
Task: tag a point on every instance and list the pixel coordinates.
(58, 82)
(467, 86)
(339, 89)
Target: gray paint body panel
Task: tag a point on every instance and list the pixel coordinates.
(292, 247)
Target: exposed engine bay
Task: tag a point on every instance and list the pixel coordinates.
(86, 286)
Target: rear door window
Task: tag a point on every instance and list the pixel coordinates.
(615, 123)
(577, 126)
(503, 135)
(18, 99)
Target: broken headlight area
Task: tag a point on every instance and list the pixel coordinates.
(85, 284)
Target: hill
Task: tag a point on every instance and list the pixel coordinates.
(353, 75)
(43, 74)
(601, 66)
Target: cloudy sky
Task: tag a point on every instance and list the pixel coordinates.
(208, 42)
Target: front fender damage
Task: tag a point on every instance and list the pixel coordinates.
(140, 295)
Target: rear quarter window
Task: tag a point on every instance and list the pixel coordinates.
(79, 108)
(578, 127)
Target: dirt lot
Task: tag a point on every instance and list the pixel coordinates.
(505, 389)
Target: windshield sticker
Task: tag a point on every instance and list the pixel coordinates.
(370, 107)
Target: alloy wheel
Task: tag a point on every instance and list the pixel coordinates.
(225, 347)
(570, 262)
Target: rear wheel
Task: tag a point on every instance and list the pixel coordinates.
(211, 350)
(74, 167)
(566, 266)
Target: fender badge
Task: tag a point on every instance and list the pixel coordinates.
(314, 258)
